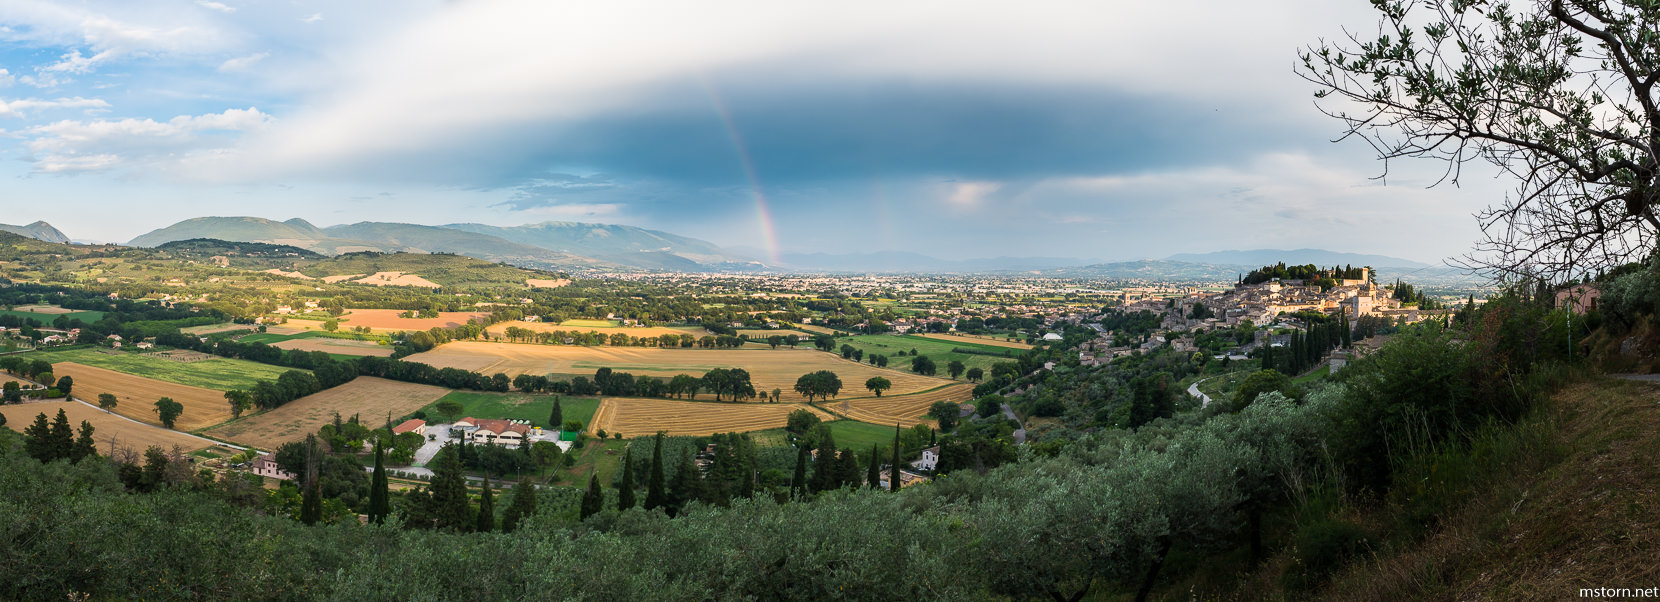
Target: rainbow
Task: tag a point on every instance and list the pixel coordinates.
(763, 212)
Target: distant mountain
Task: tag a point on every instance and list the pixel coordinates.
(1319, 257)
(902, 261)
(366, 236)
(627, 245)
(1156, 270)
(37, 231)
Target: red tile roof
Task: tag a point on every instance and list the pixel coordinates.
(408, 425)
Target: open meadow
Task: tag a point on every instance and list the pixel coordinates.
(599, 326)
(517, 406)
(768, 368)
(136, 395)
(211, 372)
(635, 417)
(110, 431)
(976, 339)
(47, 313)
(372, 399)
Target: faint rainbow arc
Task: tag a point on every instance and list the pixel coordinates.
(763, 211)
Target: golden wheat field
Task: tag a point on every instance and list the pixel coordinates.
(768, 368)
(976, 339)
(372, 399)
(907, 410)
(387, 319)
(136, 396)
(644, 417)
(340, 346)
(110, 431)
(499, 329)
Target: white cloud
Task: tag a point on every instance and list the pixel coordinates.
(6, 78)
(95, 34)
(577, 210)
(315, 17)
(17, 108)
(968, 195)
(100, 145)
(218, 6)
(73, 62)
(242, 63)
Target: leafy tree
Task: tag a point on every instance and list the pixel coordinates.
(1261, 382)
(946, 413)
(66, 384)
(656, 497)
(988, 406)
(877, 385)
(486, 509)
(450, 409)
(1558, 95)
(106, 401)
(523, 505)
(956, 368)
(11, 392)
(239, 400)
(625, 487)
(380, 500)
(168, 410)
(921, 364)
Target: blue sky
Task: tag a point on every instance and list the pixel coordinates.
(1111, 130)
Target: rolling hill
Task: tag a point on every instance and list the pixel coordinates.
(37, 231)
(622, 244)
(1320, 257)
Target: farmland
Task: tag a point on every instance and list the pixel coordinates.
(372, 399)
(768, 368)
(906, 410)
(110, 431)
(941, 351)
(517, 406)
(47, 313)
(608, 329)
(644, 417)
(761, 335)
(976, 339)
(387, 319)
(218, 373)
(137, 395)
(335, 346)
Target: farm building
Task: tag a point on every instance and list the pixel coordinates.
(483, 430)
(930, 458)
(266, 466)
(413, 425)
(906, 478)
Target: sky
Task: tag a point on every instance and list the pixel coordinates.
(1105, 130)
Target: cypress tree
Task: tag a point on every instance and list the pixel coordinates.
(684, 487)
(594, 501)
(655, 496)
(848, 472)
(625, 489)
(893, 471)
(798, 483)
(1348, 334)
(39, 439)
(522, 507)
(380, 502)
(449, 507)
(311, 500)
(825, 470)
(63, 437)
(556, 418)
(873, 477)
(486, 509)
(83, 445)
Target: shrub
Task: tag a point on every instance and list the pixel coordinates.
(1323, 547)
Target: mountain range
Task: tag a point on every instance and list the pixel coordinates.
(586, 246)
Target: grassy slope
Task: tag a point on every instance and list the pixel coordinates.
(1564, 500)
(46, 319)
(519, 406)
(219, 373)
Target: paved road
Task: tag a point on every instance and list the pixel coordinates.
(1193, 389)
(1020, 433)
(1647, 378)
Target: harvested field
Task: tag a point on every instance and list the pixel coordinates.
(978, 340)
(279, 272)
(535, 283)
(370, 398)
(817, 329)
(212, 328)
(637, 332)
(761, 335)
(341, 278)
(387, 319)
(768, 368)
(180, 355)
(215, 372)
(340, 346)
(396, 279)
(644, 417)
(907, 410)
(137, 396)
(43, 309)
(110, 431)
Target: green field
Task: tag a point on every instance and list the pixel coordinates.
(851, 434)
(219, 374)
(940, 351)
(518, 406)
(271, 338)
(84, 316)
(603, 459)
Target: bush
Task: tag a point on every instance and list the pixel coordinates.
(572, 426)
(601, 433)
(1323, 547)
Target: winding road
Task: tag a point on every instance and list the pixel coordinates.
(1193, 389)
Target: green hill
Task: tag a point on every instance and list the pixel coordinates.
(623, 244)
(451, 271)
(37, 231)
